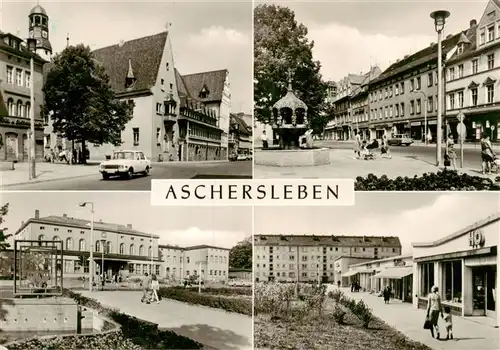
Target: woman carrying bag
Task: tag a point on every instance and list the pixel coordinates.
(434, 309)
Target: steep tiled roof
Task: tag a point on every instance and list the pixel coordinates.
(144, 55)
(419, 58)
(468, 38)
(243, 126)
(323, 240)
(85, 224)
(3, 108)
(213, 81)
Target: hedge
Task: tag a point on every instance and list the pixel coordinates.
(445, 180)
(237, 305)
(220, 291)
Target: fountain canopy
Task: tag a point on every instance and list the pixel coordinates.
(290, 111)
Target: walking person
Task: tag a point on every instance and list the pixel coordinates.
(487, 154)
(452, 156)
(155, 286)
(146, 288)
(357, 145)
(386, 295)
(338, 284)
(263, 138)
(384, 150)
(434, 309)
(448, 322)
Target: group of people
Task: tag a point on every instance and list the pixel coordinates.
(58, 154)
(150, 286)
(489, 159)
(364, 149)
(434, 310)
(355, 287)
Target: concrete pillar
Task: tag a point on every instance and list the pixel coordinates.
(497, 290)
(438, 276)
(467, 290)
(416, 284)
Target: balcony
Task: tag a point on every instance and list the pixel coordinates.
(19, 122)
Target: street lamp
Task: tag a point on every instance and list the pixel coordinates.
(91, 258)
(439, 22)
(425, 113)
(32, 144)
(103, 246)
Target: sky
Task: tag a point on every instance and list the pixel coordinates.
(413, 217)
(205, 35)
(350, 36)
(184, 226)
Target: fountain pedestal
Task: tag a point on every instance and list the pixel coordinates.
(293, 157)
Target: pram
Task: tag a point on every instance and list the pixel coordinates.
(367, 149)
(495, 164)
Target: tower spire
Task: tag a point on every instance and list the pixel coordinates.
(67, 40)
(290, 74)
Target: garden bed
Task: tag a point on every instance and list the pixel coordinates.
(241, 305)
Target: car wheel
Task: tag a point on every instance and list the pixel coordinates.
(146, 172)
(130, 173)
(105, 176)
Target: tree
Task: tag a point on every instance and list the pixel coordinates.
(4, 245)
(240, 256)
(280, 46)
(79, 98)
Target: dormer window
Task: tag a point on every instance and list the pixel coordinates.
(130, 79)
(460, 48)
(204, 92)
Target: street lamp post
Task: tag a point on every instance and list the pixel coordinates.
(103, 246)
(439, 22)
(32, 144)
(91, 258)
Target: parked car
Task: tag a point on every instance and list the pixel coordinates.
(400, 140)
(239, 283)
(249, 156)
(125, 164)
(242, 157)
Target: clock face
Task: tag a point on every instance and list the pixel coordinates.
(44, 34)
(31, 34)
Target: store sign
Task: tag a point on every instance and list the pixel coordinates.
(399, 263)
(476, 239)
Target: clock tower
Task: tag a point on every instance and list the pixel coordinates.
(39, 30)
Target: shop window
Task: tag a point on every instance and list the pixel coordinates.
(452, 281)
(427, 278)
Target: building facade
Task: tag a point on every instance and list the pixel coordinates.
(473, 78)
(15, 104)
(464, 266)
(240, 135)
(117, 249)
(310, 258)
(209, 262)
(341, 269)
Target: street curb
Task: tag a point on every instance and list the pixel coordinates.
(41, 181)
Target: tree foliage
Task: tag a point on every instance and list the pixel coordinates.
(240, 256)
(280, 46)
(4, 245)
(82, 105)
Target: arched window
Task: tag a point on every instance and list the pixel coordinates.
(56, 238)
(41, 238)
(11, 107)
(132, 250)
(27, 110)
(81, 244)
(98, 246)
(19, 111)
(150, 250)
(108, 247)
(141, 250)
(122, 248)
(69, 243)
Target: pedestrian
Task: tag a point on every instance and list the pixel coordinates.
(263, 138)
(487, 154)
(338, 283)
(390, 291)
(452, 156)
(352, 287)
(386, 295)
(434, 309)
(384, 150)
(357, 145)
(448, 322)
(155, 286)
(146, 288)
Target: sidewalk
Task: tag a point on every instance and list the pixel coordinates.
(344, 166)
(467, 333)
(467, 145)
(45, 172)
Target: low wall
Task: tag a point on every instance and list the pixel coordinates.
(47, 314)
(293, 158)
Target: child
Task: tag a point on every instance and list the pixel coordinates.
(448, 322)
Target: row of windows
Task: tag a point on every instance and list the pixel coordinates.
(320, 249)
(213, 259)
(294, 267)
(22, 77)
(456, 99)
(56, 229)
(292, 274)
(457, 72)
(19, 109)
(143, 268)
(490, 32)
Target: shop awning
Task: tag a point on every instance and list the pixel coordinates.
(349, 273)
(395, 272)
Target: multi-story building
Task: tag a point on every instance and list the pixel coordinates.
(472, 76)
(117, 249)
(209, 262)
(240, 135)
(15, 105)
(311, 258)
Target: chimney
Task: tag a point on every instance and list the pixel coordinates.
(65, 216)
(432, 44)
(129, 226)
(37, 214)
(473, 23)
(449, 36)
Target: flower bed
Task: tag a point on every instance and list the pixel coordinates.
(444, 180)
(220, 291)
(238, 305)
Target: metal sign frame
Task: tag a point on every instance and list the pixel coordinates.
(38, 268)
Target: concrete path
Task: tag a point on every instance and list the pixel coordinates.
(212, 327)
(468, 332)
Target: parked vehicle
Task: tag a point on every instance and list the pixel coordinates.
(125, 164)
(239, 283)
(400, 140)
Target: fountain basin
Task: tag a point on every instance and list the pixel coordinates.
(293, 158)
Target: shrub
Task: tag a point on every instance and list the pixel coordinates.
(444, 180)
(336, 295)
(363, 312)
(338, 314)
(220, 291)
(241, 306)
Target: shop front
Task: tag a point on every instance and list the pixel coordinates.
(400, 279)
(464, 266)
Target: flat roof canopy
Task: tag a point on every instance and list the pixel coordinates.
(394, 272)
(350, 273)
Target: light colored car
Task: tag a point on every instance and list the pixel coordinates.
(125, 164)
(400, 140)
(239, 283)
(242, 157)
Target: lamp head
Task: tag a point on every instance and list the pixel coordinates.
(82, 204)
(440, 19)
